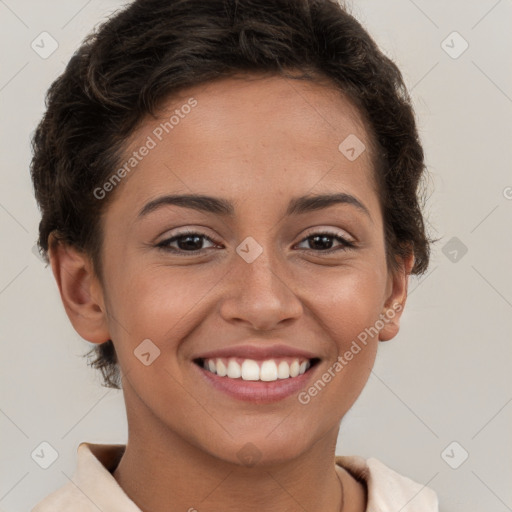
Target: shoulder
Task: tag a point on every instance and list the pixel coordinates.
(67, 498)
(92, 486)
(387, 489)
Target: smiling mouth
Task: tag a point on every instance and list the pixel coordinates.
(267, 370)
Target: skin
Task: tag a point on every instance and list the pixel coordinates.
(258, 143)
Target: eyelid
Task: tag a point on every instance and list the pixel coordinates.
(329, 231)
(347, 241)
(346, 244)
(164, 243)
(312, 231)
(188, 230)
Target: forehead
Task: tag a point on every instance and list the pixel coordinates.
(247, 135)
(254, 110)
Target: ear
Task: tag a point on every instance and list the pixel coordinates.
(80, 291)
(396, 296)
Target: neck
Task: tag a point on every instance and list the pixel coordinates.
(164, 469)
(157, 473)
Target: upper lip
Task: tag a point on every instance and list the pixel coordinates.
(257, 352)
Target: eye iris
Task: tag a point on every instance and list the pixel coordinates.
(322, 240)
(184, 242)
(193, 241)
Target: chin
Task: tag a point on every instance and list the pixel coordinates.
(260, 450)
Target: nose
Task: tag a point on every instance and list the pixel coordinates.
(260, 294)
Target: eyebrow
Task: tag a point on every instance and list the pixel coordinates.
(218, 206)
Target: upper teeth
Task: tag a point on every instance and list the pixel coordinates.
(249, 369)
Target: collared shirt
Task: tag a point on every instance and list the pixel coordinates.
(93, 487)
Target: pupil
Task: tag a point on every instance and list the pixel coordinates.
(191, 242)
(188, 244)
(323, 239)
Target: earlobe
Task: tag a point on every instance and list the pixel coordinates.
(79, 290)
(391, 320)
(395, 302)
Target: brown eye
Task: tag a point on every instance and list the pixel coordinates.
(187, 242)
(324, 242)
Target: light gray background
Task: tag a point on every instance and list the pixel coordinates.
(446, 377)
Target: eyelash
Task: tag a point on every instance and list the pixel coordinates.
(164, 244)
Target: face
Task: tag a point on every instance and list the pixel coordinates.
(257, 273)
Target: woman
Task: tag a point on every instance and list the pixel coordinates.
(230, 205)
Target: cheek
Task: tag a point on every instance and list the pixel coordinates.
(347, 309)
(347, 304)
(346, 299)
(160, 304)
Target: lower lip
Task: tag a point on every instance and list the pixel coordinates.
(258, 391)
